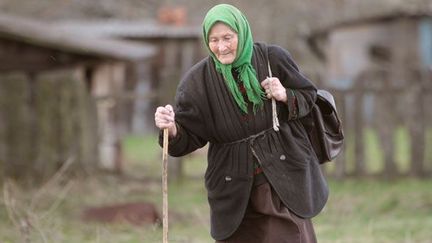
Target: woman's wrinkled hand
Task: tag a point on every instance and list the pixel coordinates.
(165, 118)
(274, 89)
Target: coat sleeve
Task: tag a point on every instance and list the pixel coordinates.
(301, 92)
(191, 133)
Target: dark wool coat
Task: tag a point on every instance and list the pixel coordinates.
(207, 113)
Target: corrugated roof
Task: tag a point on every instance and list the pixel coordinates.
(372, 18)
(44, 34)
(321, 32)
(129, 29)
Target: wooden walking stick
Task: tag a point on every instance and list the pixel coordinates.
(165, 185)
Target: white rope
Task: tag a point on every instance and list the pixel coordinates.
(274, 110)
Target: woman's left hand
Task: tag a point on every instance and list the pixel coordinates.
(274, 89)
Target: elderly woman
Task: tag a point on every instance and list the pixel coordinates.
(263, 184)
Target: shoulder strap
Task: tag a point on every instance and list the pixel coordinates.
(269, 68)
(274, 110)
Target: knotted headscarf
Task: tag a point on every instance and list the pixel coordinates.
(235, 19)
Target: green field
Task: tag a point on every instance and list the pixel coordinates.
(359, 210)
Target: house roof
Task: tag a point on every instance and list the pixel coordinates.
(44, 34)
(318, 34)
(138, 29)
(374, 18)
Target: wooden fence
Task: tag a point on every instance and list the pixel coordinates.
(387, 125)
(46, 120)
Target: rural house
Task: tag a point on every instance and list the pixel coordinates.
(178, 47)
(54, 97)
(380, 69)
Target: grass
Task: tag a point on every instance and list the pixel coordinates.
(374, 155)
(377, 211)
(359, 210)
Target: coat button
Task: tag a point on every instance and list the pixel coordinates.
(282, 157)
(228, 178)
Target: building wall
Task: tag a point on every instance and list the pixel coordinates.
(349, 47)
(47, 123)
(158, 79)
(425, 45)
(108, 82)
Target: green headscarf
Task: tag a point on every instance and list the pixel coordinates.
(235, 19)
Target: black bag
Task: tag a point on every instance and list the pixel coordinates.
(324, 127)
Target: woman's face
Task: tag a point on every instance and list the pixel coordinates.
(223, 43)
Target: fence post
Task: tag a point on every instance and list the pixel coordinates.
(340, 162)
(416, 125)
(386, 123)
(359, 166)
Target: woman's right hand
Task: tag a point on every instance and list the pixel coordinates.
(165, 118)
